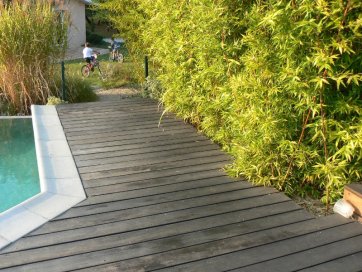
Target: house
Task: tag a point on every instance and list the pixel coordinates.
(75, 9)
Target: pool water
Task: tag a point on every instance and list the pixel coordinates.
(19, 178)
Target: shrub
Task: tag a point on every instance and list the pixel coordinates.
(277, 83)
(53, 100)
(128, 17)
(78, 89)
(31, 40)
(93, 38)
(152, 88)
(298, 97)
(119, 74)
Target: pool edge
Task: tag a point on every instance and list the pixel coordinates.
(61, 187)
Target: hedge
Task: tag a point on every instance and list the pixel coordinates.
(276, 83)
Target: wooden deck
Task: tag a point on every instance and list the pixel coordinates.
(158, 201)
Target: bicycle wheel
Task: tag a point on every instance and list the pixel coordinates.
(120, 58)
(85, 71)
(101, 75)
(110, 58)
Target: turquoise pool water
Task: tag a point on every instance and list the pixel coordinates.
(19, 178)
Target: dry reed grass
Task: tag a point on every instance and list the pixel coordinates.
(32, 39)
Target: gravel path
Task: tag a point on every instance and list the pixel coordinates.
(116, 93)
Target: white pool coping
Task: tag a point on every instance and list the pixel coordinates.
(60, 184)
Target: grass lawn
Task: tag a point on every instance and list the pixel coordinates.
(116, 74)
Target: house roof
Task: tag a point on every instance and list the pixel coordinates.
(87, 2)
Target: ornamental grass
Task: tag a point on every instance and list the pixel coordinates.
(32, 39)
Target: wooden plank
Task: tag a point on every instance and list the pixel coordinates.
(106, 105)
(206, 178)
(348, 263)
(153, 155)
(69, 118)
(118, 213)
(154, 167)
(148, 152)
(140, 124)
(131, 140)
(112, 112)
(166, 175)
(119, 135)
(150, 137)
(137, 130)
(163, 197)
(311, 257)
(86, 112)
(326, 230)
(144, 125)
(119, 118)
(147, 126)
(227, 204)
(140, 148)
(240, 250)
(194, 180)
(196, 205)
(92, 227)
(214, 227)
(141, 256)
(134, 161)
(128, 122)
(232, 198)
(353, 195)
(126, 119)
(151, 152)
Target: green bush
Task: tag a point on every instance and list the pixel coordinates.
(31, 41)
(53, 100)
(277, 83)
(119, 74)
(93, 38)
(152, 88)
(78, 89)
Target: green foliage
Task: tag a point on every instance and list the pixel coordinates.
(94, 38)
(53, 100)
(276, 83)
(115, 74)
(152, 88)
(119, 74)
(7, 108)
(78, 89)
(129, 19)
(31, 40)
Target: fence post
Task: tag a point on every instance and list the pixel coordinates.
(63, 82)
(146, 67)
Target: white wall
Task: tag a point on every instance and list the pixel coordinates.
(77, 30)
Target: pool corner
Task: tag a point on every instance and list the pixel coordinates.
(61, 187)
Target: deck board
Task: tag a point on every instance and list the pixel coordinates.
(158, 200)
(314, 256)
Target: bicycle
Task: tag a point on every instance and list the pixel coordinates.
(89, 67)
(115, 55)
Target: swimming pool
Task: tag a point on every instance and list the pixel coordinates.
(19, 177)
(60, 185)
